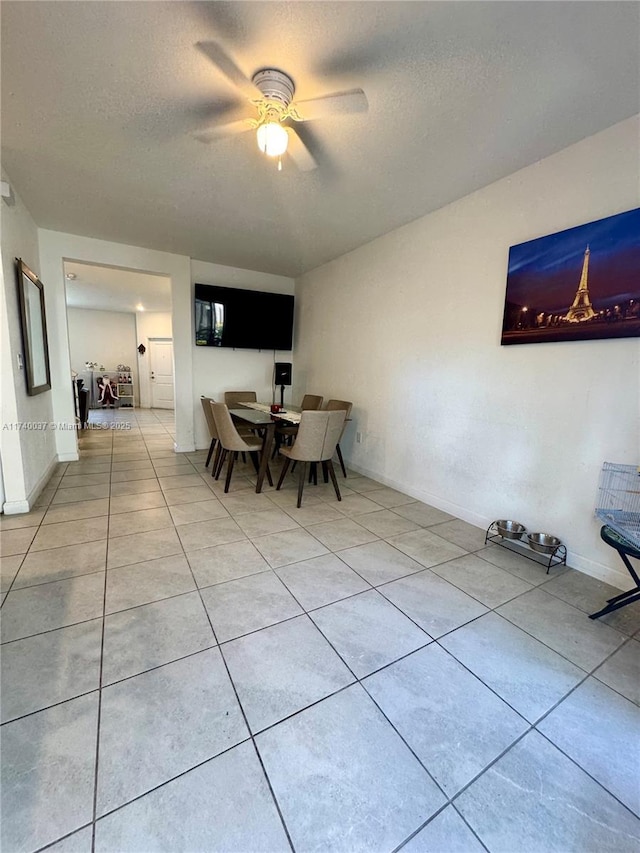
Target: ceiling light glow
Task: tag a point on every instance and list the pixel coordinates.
(272, 139)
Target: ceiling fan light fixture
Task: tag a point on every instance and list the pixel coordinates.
(272, 139)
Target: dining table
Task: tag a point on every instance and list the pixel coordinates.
(259, 416)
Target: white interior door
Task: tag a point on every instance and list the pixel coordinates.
(161, 374)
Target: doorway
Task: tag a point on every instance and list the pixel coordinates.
(161, 373)
(110, 312)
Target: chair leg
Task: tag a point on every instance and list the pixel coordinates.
(244, 458)
(325, 472)
(216, 459)
(294, 467)
(232, 459)
(344, 470)
(301, 478)
(283, 473)
(220, 464)
(221, 461)
(211, 447)
(255, 460)
(333, 479)
(269, 477)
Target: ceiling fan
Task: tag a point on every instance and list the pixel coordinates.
(271, 92)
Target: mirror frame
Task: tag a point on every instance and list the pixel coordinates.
(28, 277)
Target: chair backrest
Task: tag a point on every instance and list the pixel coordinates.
(228, 435)
(232, 398)
(310, 403)
(206, 405)
(337, 405)
(318, 434)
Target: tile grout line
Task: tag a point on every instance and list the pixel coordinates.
(242, 711)
(356, 680)
(100, 673)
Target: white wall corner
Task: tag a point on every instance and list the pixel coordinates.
(184, 448)
(19, 506)
(42, 482)
(68, 457)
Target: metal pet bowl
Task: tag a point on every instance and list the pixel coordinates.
(510, 529)
(544, 543)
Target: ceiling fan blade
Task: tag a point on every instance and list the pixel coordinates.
(340, 103)
(219, 131)
(216, 54)
(299, 152)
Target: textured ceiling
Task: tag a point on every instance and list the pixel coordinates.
(100, 101)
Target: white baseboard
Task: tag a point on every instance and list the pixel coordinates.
(184, 448)
(618, 578)
(17, 507)
(44, 479)
(72, 456)
(424, 496)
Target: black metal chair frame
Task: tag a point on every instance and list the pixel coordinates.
(625, 550)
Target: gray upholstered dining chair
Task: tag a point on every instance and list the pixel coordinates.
(284, 434)
(334, 406)
(233, 398)
(211, 426)
(310, 403)
(316, 441)
(233, 443)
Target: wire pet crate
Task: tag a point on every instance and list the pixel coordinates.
(618, 503)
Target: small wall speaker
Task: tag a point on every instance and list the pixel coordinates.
(282, 373)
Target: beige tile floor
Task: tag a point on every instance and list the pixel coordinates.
(188, 670)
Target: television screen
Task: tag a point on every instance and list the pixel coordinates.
(243, 319)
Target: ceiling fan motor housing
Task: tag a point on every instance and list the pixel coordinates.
(275, 85)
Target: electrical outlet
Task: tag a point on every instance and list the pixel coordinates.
(358, 438)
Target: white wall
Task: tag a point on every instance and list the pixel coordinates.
(108, 337)
(408, 327)
(55, 248)
(216, 369)
(149, 324)
(27, 456)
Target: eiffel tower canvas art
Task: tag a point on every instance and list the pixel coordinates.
(581, 308)
(578, 284)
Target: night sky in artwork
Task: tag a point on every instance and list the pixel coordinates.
(545, 273)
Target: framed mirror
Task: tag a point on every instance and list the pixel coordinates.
(34, 330)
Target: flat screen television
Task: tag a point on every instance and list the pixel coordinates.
(243, 319)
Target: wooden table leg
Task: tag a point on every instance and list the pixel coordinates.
(267, 441)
